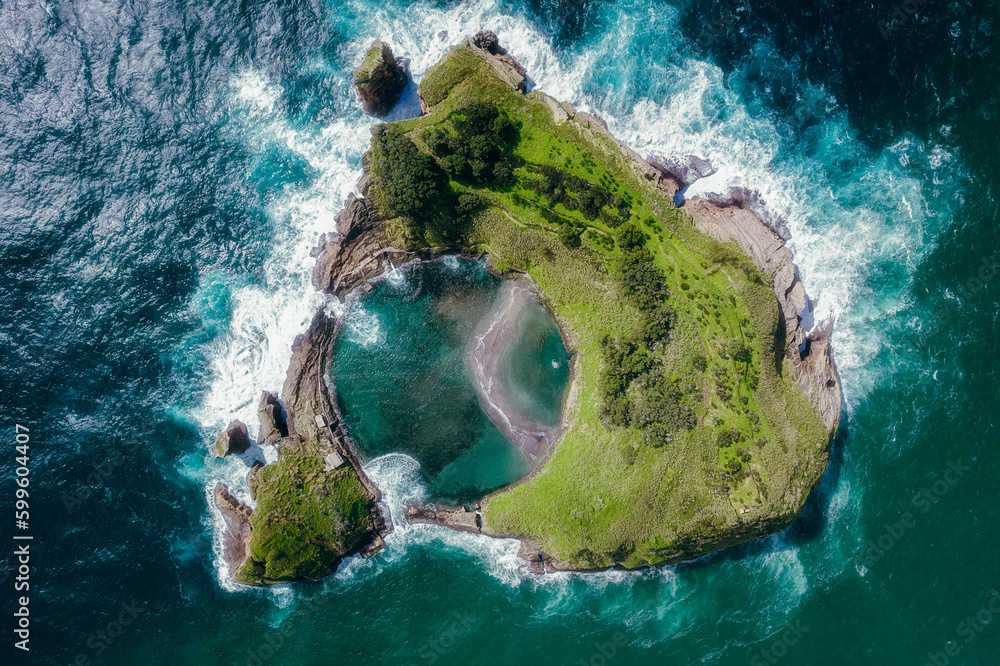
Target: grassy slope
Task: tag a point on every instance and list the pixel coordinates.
(305, 518)
(604, 497)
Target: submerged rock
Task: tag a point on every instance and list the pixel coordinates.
(380, 79)
(233, 440)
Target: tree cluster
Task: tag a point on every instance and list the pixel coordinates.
(480, 146)
(634, 390)
(410, 182)
(575, 193)
(641, 280)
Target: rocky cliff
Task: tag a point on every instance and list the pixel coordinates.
(380, 79)
(236, 539)
(359, 248)
(808, 351)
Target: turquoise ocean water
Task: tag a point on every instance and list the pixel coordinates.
(167, 168)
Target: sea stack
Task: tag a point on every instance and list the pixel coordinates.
(233, 440)
(380, 79)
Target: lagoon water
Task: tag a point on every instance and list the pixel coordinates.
(166, 169)
(403, 384)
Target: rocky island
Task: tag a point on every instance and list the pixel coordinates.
(700, 412)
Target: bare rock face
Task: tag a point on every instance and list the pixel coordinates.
(355, 251)
(457, 518)
(380, 79)
(236, 540)
(252, 478)
(233, 440)
(272, 421)
(510, 71)
(353, 218)
(809, 353)
(685, 170)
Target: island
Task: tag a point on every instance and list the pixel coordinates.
(700, 412)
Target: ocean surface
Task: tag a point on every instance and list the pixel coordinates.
(165, 168)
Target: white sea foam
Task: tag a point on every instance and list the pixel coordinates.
(842, 229)
(398, 477)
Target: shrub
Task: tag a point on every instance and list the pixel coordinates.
(569, 235)
(437, 141)
(409, 182)
(470, 203)
(727, 437)
(455, 166)
(657, 323)
(484, 141)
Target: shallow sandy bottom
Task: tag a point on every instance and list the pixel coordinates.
(497, 331)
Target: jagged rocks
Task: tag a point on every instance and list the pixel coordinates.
(344, 259)
(353, 218)
(685, 170)
(236, 540)
(380, 79)
(458, 518)
(510, 71)
(272, 420)
(233, 440)
(252, 478)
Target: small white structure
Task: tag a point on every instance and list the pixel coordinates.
(320, 421)
(332, 461)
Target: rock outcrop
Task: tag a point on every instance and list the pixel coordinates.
(252, 478)
(509, 70)
(272, 421)
(236, 539)
(458, 518)
(357, 249)
(685, 170)
(380, 79)
(233, 440)
(812, 362)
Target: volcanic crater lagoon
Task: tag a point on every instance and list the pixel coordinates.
(410, 355)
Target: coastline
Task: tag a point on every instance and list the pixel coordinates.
(483, 353)
(360, 250)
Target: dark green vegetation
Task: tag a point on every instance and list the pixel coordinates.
(684, 433)
(304, 520)
(473, 147)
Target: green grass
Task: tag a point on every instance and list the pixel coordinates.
(604, 497)
(305, 519)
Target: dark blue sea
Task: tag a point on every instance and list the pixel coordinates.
(166, 167)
